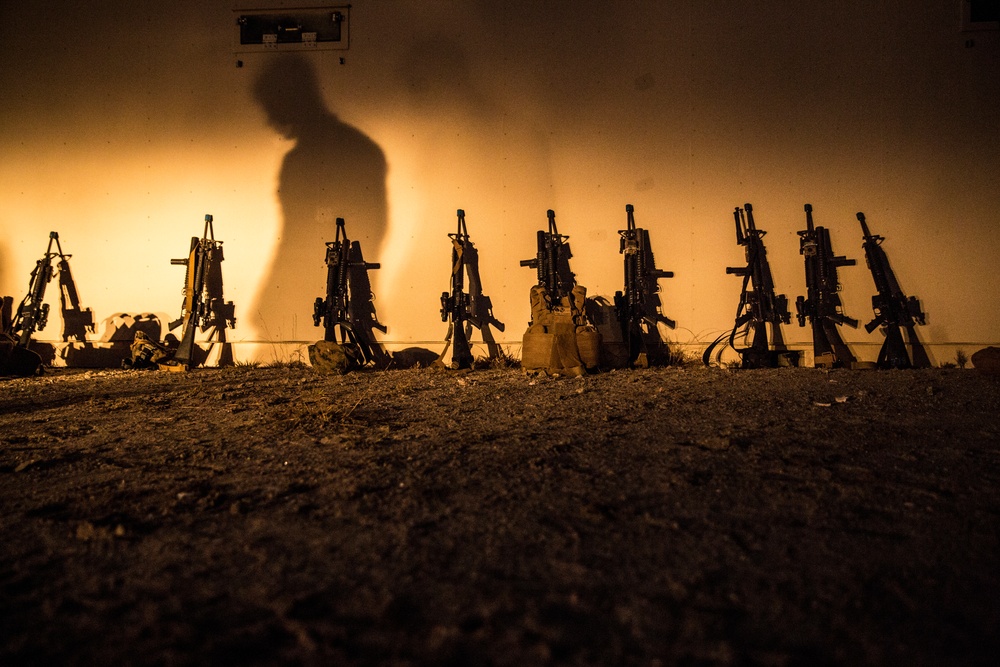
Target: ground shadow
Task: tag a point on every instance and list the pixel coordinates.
(334, 170)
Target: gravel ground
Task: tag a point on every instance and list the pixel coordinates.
(675, 516)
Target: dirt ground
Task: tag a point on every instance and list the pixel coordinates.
(676, 516)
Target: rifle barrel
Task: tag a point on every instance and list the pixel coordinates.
(864, 226)
(751, 227)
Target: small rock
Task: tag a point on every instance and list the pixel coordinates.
(987, 360)
(329, 357)
(414, 357)
(713, 442)
(85, 531)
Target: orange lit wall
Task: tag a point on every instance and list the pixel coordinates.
(123, 123)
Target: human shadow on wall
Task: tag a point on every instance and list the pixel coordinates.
(334, 170)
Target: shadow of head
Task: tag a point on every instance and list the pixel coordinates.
(289, 92)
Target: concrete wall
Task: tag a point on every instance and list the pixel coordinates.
(123, 123)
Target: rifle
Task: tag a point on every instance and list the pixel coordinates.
(204, 306)
(893, 309)
(464, 310)
(347, 314)
(638, 307)
(33, 314)
(551, 261)
(758, 305)
(822, 305)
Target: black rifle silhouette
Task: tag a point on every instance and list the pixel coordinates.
(33, 313)
(893, 309)
(204, 306)
(822, 305)
(464, 310)
(638, 306)
(347, 314)
(759, 305)
(551, 261)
